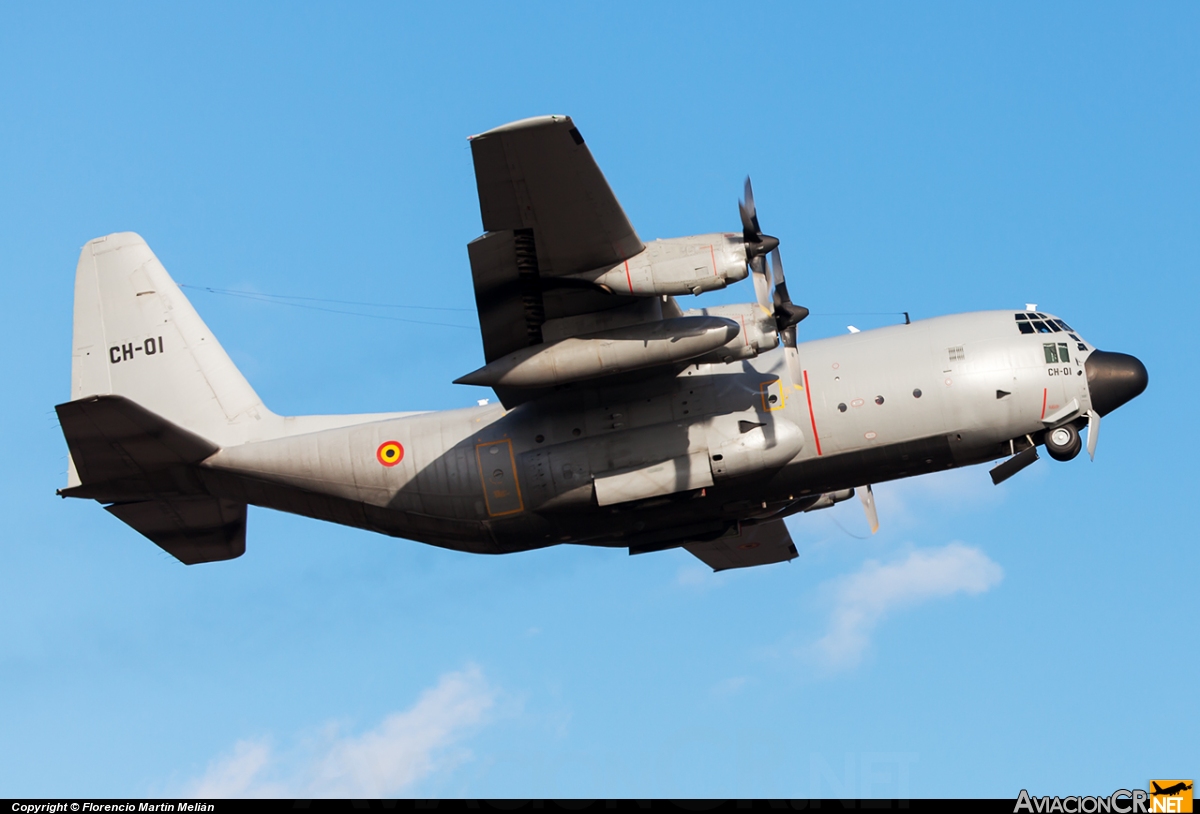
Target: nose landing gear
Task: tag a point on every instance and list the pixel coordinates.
(1063, 443)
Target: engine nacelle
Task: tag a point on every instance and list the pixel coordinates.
(604, 353)
(757, 334)
(744, 444)
(678, 265)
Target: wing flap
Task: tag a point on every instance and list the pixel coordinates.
(505, 322)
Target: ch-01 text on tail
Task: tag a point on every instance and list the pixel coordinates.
(624, 420)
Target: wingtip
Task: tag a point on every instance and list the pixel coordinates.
(526, 124)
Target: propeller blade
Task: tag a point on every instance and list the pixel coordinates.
(756, 242)
(1093, 429)
(868, 501)
(749, 232)
(749, 211)
(777, 272)
(792, 356)
(787, 313)
(762, 284)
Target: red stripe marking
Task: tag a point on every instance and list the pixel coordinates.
(1043, 402)
(745, 339)
(811, 417)
(628, 279)
(714, 257)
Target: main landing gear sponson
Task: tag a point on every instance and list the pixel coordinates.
(1063, 443)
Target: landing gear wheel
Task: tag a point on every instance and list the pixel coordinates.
(1062, 443)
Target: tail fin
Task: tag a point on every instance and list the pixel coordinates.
(137, 336)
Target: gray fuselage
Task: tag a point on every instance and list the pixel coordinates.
(739, 442)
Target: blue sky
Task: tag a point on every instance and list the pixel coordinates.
(930, 158)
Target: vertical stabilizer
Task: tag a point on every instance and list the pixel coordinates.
(137, 336)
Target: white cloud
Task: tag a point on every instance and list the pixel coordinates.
(238, 774)
(403, 749)
(863, 599)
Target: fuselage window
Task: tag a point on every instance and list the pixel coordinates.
(1051, 353)
(1063, 356)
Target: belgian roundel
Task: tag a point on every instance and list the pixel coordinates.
(389, 453)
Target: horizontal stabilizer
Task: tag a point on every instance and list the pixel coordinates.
(111, 437)
(190, 529)
(761, 544)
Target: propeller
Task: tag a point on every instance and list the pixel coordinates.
(787, 316)
(758, 245)
(775, 303)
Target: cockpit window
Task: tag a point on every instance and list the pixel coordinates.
(1031, 322)
(1056, 353)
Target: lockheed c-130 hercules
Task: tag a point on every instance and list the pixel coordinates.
(623, 420)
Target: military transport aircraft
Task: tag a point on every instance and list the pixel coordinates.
(623, 420)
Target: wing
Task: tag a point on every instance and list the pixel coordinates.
(547, 212)
(761, 544)
(538, 174)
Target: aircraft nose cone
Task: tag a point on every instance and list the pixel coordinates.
(1113, 379)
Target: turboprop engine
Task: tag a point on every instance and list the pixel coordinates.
(678, 265)
(758, 333)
